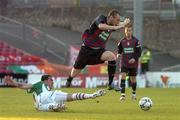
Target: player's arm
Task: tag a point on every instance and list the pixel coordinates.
(120, 48)
(138, 50)
(100, 21)
(137, 53)
(10, 81)
(103, 26)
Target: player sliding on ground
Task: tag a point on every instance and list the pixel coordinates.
(48, 100)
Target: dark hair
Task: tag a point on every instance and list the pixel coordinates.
(45, 77)
(113, 13)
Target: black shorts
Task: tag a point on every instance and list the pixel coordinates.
(88, 56)
(129, 71)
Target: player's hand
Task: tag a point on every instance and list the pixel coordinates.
(117, 27)
(122, 24)
(131, 61)
(118, 55)
(126, 21)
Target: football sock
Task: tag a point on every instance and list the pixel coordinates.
(111, 71)
(81, 96)
(134, 84)
(123, 85)
(69, 79)
(133, 92)
(68, 83)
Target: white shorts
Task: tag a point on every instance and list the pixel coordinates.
(59, 96)
(52, 96)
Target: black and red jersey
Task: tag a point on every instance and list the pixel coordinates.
(129, 49)
(94, 37)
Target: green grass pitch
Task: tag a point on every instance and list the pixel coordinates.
(15, 104)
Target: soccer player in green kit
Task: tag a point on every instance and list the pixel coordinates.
(48, 100)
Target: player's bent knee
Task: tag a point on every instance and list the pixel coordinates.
(111, 57)
(108, 56)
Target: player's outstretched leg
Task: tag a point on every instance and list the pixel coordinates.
(99, 93)
(82, 96)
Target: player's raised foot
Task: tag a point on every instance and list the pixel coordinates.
(123, 97)
(133, 97)
(116, 88)
(99, 93)
(110, 87)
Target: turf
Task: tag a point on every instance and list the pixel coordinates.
(15, 104)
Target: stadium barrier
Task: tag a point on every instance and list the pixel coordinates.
(21, 78)
(31, 35)
(163, 79)
(151, 79)
(172, 68)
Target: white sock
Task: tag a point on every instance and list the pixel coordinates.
(81, 96)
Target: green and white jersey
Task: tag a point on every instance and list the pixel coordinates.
(38, 88)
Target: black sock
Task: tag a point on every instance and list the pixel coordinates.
(123, 86)
(134, 84)
(111, 71)
(69, 79)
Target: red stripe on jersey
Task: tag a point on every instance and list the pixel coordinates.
(94, 40)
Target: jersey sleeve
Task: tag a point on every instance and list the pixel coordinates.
(138, 50)
(120, 48)
(31, 90)
(100, 19)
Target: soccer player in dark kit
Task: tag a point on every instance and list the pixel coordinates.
(130, 50)
(93, 50)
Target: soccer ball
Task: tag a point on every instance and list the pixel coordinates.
(145, 103)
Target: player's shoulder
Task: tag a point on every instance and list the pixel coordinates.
(137, 42)
(136, 39)
(101, 17)
(121, 40)
(38, 83)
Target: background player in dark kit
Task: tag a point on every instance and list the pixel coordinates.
(130, 50)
